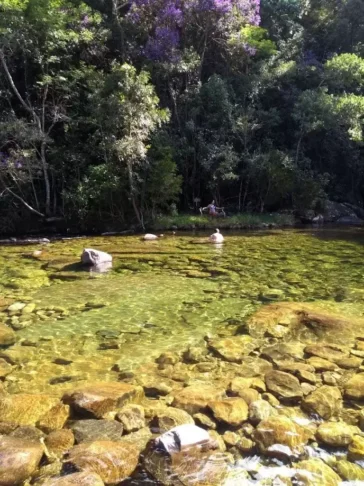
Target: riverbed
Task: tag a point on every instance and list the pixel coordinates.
(179, 291)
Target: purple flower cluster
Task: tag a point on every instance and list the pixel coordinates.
(165, 20)
(6, 162)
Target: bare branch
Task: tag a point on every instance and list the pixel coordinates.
(32, 210)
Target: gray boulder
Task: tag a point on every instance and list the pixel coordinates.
(95, 257)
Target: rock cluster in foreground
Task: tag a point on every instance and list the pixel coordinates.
(208, 415)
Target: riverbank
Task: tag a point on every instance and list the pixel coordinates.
(238, 221)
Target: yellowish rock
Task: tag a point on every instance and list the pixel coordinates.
(232, 411)
(356, 449)
(76, 479)
(326, 401)
(280, 436)
(315, 472)
(354, 388)
(59, 441)
(19, 459)
(112, 461)
(194, 398)
(26, 409)
(337, 434)
(102, 397)
(349, 471)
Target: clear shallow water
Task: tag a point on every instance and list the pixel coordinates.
(160, 295)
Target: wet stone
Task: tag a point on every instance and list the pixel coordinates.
(354, 388)
(281, 437)
(7, 335)
(232, 411)
(233, 348)
(356, 449)
(91, 430)
(100, 398)
(132, 417)
(194, 398)
(284, 385)
(336, 434)
(112, 461)
(349, 471)
(19, 459)
(59, 441)
(75, 479)
(315, 472)
(326, 401)
(170, 418)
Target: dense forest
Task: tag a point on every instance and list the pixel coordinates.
(114, 112)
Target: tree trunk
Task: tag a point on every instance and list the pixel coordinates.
(46, 179)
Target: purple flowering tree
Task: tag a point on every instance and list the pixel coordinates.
(176, 26)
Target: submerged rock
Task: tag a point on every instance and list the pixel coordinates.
(315, 472)
(7, 335)
(233, 348)
(102, 397)
(354, 388)
(19, 459)
(232, 411)
(326, 401)
(356, 449)
(349, 471)
(280, 436)
(59, 441)
(91, 430)
(194, 399)
(284, 385)
(112, 461)
(170, 418)
(76, 479)
(132, 417)
(27, 409)
(337, 434)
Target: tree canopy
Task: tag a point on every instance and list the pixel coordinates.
(113, 112)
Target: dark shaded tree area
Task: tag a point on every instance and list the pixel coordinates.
(114, 112)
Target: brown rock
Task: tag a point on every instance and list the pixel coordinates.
(329, 352)
(76, 479)
(321, 364)
(5, 368)
(249, 395)
(112, 461)
(204, 421)
(194, 399)
(96, 430)
(238, 384)
(171, 417)
(356, 449)
(280, 436)
(260, 410)
(7, 335)
(284, 385)
(132, 417)
(233, 348)
(349, 471)
(233, 411)
(315, 472)
(326, 401)
(350, 363)
(55, 418)
(168, 358)
(28, 433)
(19, 459)
(337, 434)
(59, 441)
(354, 388)
(26, 409)
(100, 398)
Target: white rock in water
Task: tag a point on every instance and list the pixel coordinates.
(95, 257)
(181, 437)
(149, 237)
(216, 237)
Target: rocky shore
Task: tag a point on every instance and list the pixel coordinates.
(279, 403)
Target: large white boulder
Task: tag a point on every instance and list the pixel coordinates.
(95, 257)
